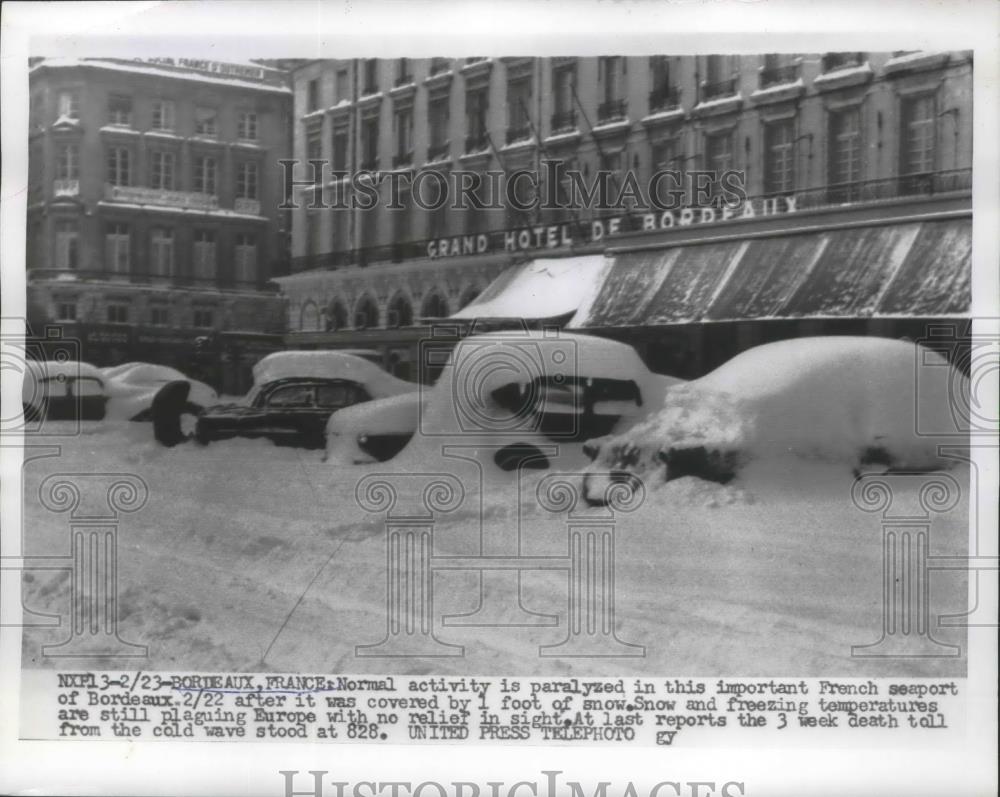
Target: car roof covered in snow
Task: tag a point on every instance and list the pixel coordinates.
(48, 369)
(329, 365)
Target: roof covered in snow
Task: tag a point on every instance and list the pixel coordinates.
(907, 269)
(544, 288)
(329, 365)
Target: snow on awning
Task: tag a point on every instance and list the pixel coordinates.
(544, 288)
(909, 269)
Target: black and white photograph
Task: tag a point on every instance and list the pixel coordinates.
(608, 395)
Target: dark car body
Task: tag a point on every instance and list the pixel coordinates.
(291, 411)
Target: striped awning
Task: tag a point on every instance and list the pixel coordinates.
(919, 269)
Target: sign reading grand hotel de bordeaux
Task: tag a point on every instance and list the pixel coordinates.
(570, 233)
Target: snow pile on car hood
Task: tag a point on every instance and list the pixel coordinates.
(329, 365)
(832, 398)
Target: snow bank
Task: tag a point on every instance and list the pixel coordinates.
(329, 365)
(849, 399)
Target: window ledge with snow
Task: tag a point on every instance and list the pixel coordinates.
(844, 78)
(779, 93)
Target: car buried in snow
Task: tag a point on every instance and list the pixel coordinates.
(293, 396)
(518, 400)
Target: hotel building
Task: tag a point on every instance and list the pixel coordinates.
(152, 205)
(856, 168)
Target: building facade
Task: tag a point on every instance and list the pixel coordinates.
(813, 137)
(152, 209)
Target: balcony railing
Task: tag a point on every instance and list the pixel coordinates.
(249, 206)
(834, 61)
(518, 133)
(476, 142)
(158, 196)
(439, 65)
(66, 188)
(956, 181)
(439, 152)
(611, 110)
(665, 98)
(721, 88)
(563, 121)
(778, 75)
(402, 159)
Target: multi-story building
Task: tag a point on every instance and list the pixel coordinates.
(821, 142)
(152, 206)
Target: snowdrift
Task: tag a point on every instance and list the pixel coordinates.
(855, 400)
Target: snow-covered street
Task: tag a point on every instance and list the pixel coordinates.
(251, 557)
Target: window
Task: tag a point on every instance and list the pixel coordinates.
(203, 317)
(477, 103)
(292, 396)
(404, 136)
(403, 75)
(779, 154)
(245, 254)
(246, 129)
(120, 110)
(161, 173)
(438, 116)
(371, 76)
(718, 159)
(336, 316)
(204, 174)
(67, 245)
(314, 152)
(400, 312)
(204, 254)
(116, 248)
(434, 306)
(563, 88)
(69, 104)
(664, 156)
(844, 154)
(518, 103)
(439, 65)
(161, 252)
(340, 149)
(834, 61)
(720, 80)
(663, 95)
(246, 180)
(612, 72)
(163, 115)
(312, 98)
(917, 135)
(159, 316)
(68, 162)
(66, 311)
(369, 143)
(117, 313)
(205, 122)
(118, 166)
(343, 85)
(338, 395)
(366, 313)
(779, 68)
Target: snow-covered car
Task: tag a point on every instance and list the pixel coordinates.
(856, 400)
(132, 387)
(510, 396)
(63, 391)
(294, 394)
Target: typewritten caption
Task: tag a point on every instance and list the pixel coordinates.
(392, 709)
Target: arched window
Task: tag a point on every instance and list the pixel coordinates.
(336, 316)
(434, 306)
(469, 296)
(309, 317)
(400, 312)
(365, 313)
